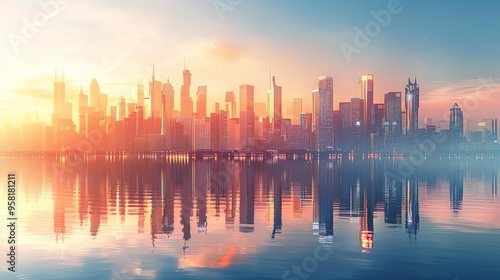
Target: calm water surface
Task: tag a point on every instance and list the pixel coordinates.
(146, 218)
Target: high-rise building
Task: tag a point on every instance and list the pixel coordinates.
(202, 135)
(274, 113)
(98, 100)
(456, 125)
(231, 105)
(358, 137)
(83, 112)
(345, 126)
(306, 121)
(123, 110)
(393, 124)
(489, 130)
(215, 131)
(323, 114)
(411, 105)
(246, 116)
(186, 101)
(140, 95)
(297, 109)
(201, 102)
(366, 83)
(168, 114)
(62, 123)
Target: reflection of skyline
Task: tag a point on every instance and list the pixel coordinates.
(325, 173)
(456, 187)
(412, 217)
(151, 193)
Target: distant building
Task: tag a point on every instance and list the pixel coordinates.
(201, 102)
(323, 114)
(456, 126)
(297, 109)
(246, 116)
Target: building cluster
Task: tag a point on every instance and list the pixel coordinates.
(153, 124)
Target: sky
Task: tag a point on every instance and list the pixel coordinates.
(450, 46)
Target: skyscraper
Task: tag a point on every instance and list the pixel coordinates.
(323, 114)
(393, 124)
(156, 97)
(456, 125)
(168, 114)
(366, 83)
(98, 100)
(411, 105)
(140, 95)
(231, 105)
(123, 110)
(246, 116)
(274, 101)
(186, 101)
(297, 109)
(201, 102)
(358, 137)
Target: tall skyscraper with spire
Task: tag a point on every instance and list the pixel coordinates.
(411, 104)
(274, 113)
(186, 100)
(323, 114)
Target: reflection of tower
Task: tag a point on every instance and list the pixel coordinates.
(393, 200)
(168, 210)
(412, 218)
(315, 196)
(98, 197)
(157, 177)
(230, 182)
(247, 197)
(367, 202)
(494, 182)
(325, 195)
(186, 198)
(61, 197)
(277, 191)
(456, 186)
(202, 174)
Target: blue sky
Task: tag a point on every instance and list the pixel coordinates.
(448, 45)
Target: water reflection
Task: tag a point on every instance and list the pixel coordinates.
(221, 213)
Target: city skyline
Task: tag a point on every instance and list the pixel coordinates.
(359, 126)
(223, 57)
